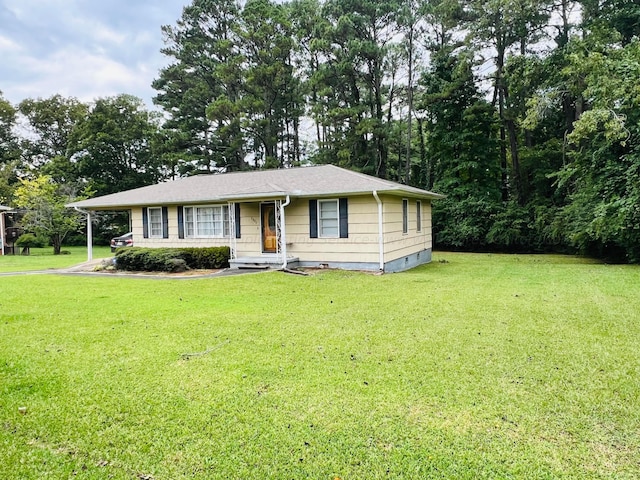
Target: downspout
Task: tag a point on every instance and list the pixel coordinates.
(380, 230)
(89, 233)
(283, 233)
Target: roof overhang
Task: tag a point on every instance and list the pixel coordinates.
(257, 197)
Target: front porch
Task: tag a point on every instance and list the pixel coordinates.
(263, 262)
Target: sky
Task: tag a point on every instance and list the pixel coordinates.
(86, 49)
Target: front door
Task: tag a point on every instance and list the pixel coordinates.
(269, 234)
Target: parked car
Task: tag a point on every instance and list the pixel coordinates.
(125, 240)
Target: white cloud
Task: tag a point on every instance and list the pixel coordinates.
(82, 48)
(77, 73)
(8, 46)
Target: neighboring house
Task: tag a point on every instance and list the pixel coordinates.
(3, 209)
(311, 216)
(9, 231)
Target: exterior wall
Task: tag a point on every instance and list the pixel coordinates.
(359, 251)
(398, 245)
(173, 240)
(360, 247)
(250, 242)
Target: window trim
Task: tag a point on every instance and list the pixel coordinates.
(418, 216)
(335, 201)
(405, 216)
(226, 228)
(150, 228)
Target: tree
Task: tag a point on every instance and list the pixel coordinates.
(114, 146)
(46, 214)
(200, 89)
(463, 149)
(9, 149)
(272, 101)
(502, 25)
(50, 123)
(353, 46)
(603, 177)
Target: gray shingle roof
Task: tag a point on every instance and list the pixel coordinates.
(317, 181)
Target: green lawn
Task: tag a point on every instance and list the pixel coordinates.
(475, 366)
(44, 259)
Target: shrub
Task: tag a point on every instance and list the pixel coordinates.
(171, 259)
(29, 240)
(206, 258)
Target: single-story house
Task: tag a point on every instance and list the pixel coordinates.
(320, 216)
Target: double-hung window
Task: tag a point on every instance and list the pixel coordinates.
(328, 218)
(206, 222)
(418, 216)
(155, 222)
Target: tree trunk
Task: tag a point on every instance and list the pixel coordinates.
(407, 166)
(56, 241)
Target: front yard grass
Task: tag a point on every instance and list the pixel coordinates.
(474, 366)
(44, 259)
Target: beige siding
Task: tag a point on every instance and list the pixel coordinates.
(250, 243)
(173, 240)
(398, 244)
(361, 246)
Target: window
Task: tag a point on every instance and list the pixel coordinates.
(206, 221)
(155, 222)
(405, 215)
(328, 220)
(418, 216)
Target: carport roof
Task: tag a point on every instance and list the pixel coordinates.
(316, 181)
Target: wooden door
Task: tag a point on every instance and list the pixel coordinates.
(269, 233)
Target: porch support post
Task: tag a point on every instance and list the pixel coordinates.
(233, 245)
(283, 233)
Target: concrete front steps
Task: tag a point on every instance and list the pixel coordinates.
(263, 262)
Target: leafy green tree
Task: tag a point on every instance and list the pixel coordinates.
(50, 123)
(502, 25)
(461, 132)
(353, 46)
(603, 177)
(200, 89)
(46, 214)
(113, 147)
(9, 150)
(272, 99)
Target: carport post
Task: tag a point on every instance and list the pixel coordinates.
(89, 233)
(89, 238)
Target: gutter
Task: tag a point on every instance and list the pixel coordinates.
(380, 230)
(89, 233)
(283, 233)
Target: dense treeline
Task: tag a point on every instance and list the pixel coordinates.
(525, 113)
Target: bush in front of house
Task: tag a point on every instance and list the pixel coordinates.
(207, 257)
(171, 259)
